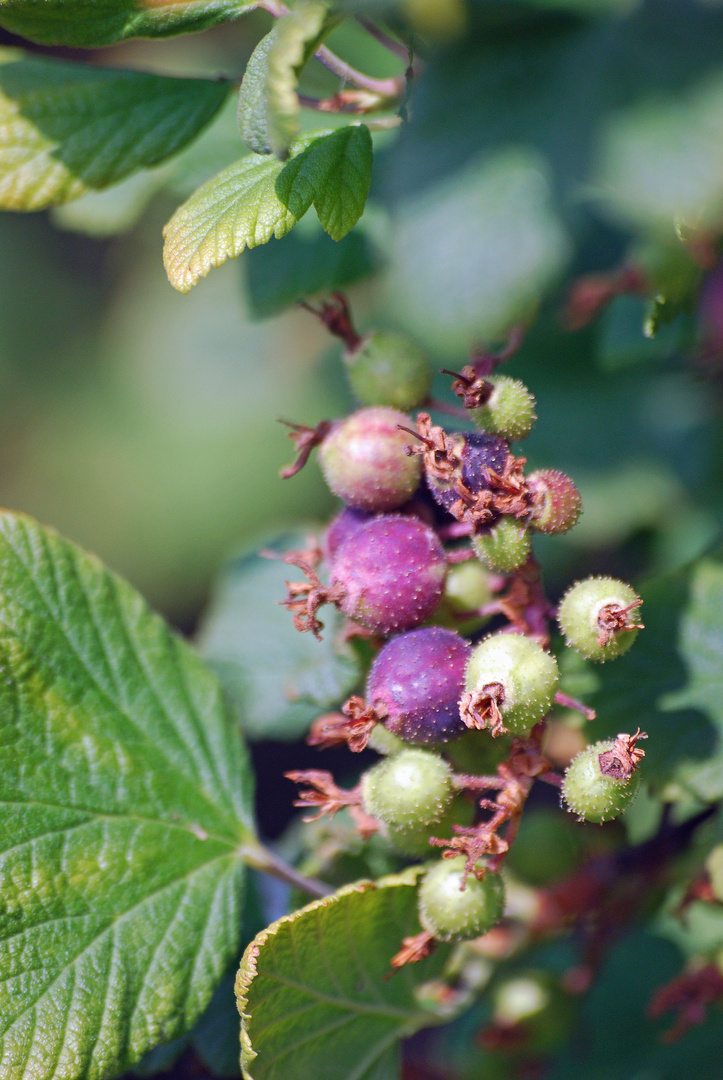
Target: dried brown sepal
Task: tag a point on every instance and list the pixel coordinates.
(621, 761)
(590, 294)
(474, 510)
(336, 314)
(473, 389)
(510, 494)
(438, 451)
(304, 598)
(322, 794)
(366, 825)
(304, 439)
(414, 949)
(351, 727)
(513, 782)
(689, 995)
(480, 709)
(614, 620)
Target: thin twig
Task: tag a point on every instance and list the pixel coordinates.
(398, 48)
(268, 862)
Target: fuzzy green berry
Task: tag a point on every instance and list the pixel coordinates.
(556, 502)
(453, 913)
(389, 369)
(603, 779)
(466, 589)
(413, 787)
(509, 410)
(600, 617)
(414, 839)
(503, 547)
(510, 685)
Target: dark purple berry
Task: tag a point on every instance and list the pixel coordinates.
(341, 528)
(390, 574)
(476, 452)
(363, 460)
(416, 682)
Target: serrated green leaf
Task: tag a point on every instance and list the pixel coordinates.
(268, 103)
(334, 173)
(126, 798)
(66, 129)
(314, 991)
(90, 23)
(238, 208)
(277, 679)
(701, 640)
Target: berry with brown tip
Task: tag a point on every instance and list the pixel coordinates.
(600, 617)
(556, 502)
(510, 684)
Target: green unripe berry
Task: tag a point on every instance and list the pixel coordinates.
(534, 1003)
(509, 410)
(414, 839)
(451, 913)
(467, 588)
(389, 369)
(714, 866)
(556, 502)
(504, 547)
(413, 787)
(510, 682)
(593, 794)
(600, 617)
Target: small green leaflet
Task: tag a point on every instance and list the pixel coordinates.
(90, 23)
(276, 679)
(260, 197)
(334, 173)
(66, 129)
(125, 796)
(314, 991)
(268, 103)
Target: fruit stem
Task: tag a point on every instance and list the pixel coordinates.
(268, 862)
(398, 48)
(568, 702)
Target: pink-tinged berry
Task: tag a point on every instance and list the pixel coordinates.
(555, 501)
(503, 546)
(509, 410)
(363, 460)
(600, 617)
(387, 368)
(510, 684)
(603, 780)
(390, 574)
(411, 788)
(415, 684)
(452, 910)
(341, 528)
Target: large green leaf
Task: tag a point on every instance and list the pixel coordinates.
(237, 209)
(268, 103)
(66, 129)
(90, 23)
(277, 679)
(314, 989)
(334, 173)
(126, 803)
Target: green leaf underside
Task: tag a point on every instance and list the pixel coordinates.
(334, 173)
(66, 129)
(314, 993)
(90, 23)
(125, 797)
(268, 103)
(277, 679)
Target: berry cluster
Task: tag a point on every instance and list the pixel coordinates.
(434, 541)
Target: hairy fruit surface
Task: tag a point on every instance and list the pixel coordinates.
(451, 910)
(600, 617)
(413, 787)
(510, 685)
(364, 463)
(594, 794)
(509, 410)
(388, 369)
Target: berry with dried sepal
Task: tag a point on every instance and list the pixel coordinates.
(509, 410)
(387, 368)
(603, 780)
(363, 460)
(452, 909)
(415, 684)
(392, 574)
(555, 500)
(503, 546)
(510, 685)
(600, 617)
(414, 839)
(413, 787)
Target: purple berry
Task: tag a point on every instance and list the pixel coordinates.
(341, 528)
(363, 460)
(390, 574)
(416, 681)
(476, 451)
